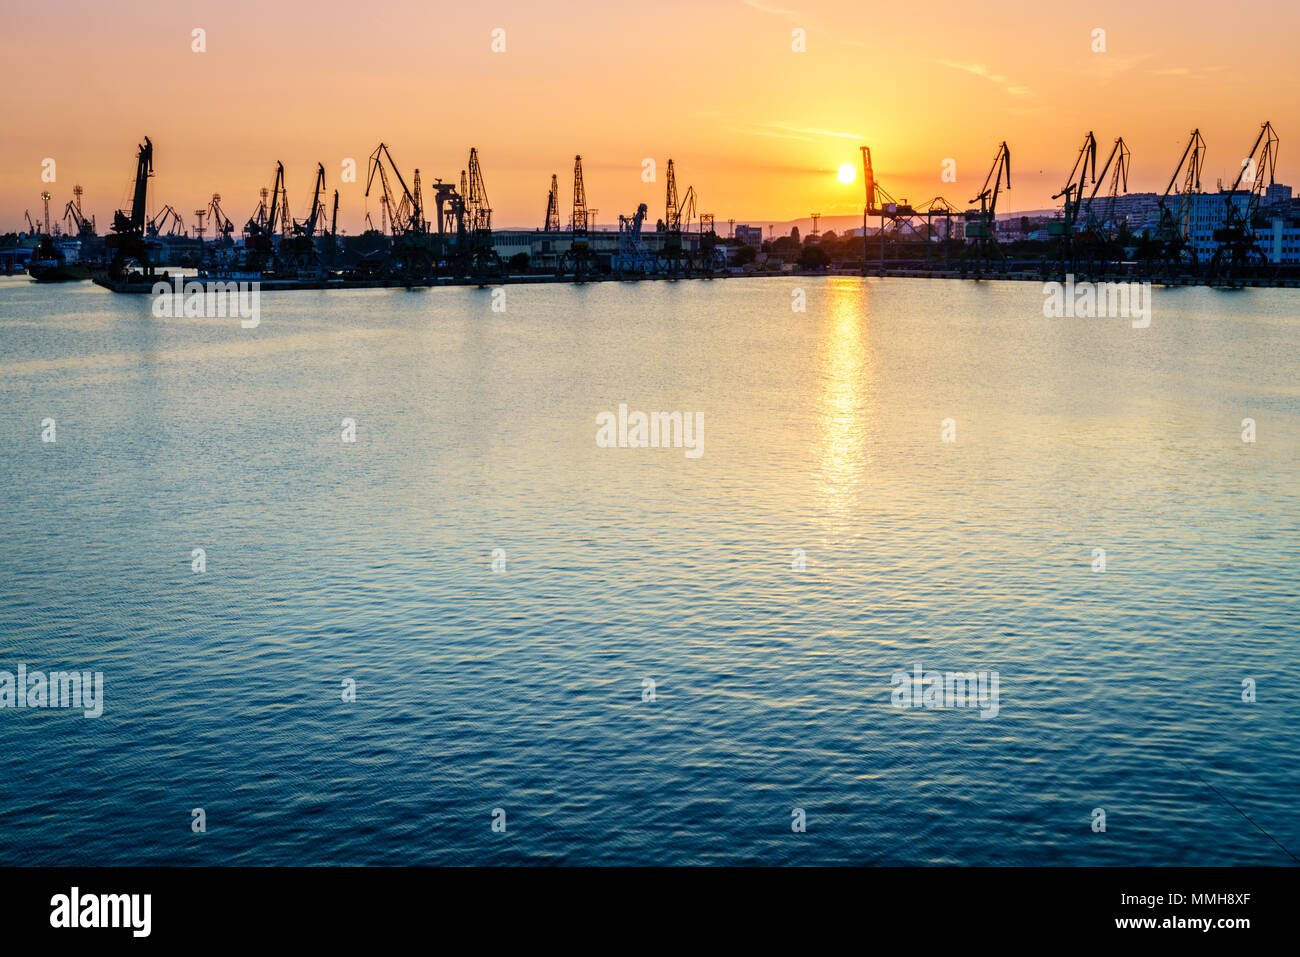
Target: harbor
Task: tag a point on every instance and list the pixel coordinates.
(1247, 234)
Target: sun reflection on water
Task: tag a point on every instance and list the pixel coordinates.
(844, 413)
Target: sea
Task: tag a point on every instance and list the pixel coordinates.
(402, 577)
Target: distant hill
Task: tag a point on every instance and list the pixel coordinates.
(843, 224)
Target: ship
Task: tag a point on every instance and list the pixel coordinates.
(58, 261)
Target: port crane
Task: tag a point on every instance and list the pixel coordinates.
(450, 206)
(221, 223)
(677, 220)
(406, 216)
(1100, 234)
(711, 256)
(259, 231)
(1173, 248)
(314, 220)
(168, 212)
(85, 228)
(552, 224)
(332, 251)
(579, 260)
(1237, 248)
(298, 247)
(412, 254)
(981, 223)
(126, 243)
(32, 228)
(901, 215)
(483, 258)
(1063, 229)
(633, 257)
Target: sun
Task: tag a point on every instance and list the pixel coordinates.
(847, 173)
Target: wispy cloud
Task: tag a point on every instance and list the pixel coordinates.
(768, 8)
(1186, 71)
(815, 131)
(785, 131)
(979, 69)
(750, 131)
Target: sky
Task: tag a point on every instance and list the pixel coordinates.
(758, 127)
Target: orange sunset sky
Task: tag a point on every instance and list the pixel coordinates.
(757, 128)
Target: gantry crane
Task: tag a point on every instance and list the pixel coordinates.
(902, 217)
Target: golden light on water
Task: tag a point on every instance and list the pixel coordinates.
(846, 375)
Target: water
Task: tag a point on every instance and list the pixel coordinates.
(522, 689)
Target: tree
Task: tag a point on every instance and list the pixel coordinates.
(746, 254)
(518, 262)
(794, 234)
(813, 257)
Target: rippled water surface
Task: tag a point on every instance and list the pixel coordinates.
(523, 689)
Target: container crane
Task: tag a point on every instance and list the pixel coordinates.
(900, 213)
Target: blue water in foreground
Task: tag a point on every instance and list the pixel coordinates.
(523, 689)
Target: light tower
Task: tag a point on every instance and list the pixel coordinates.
(45, 198)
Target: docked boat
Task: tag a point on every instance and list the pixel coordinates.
(58, 261)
